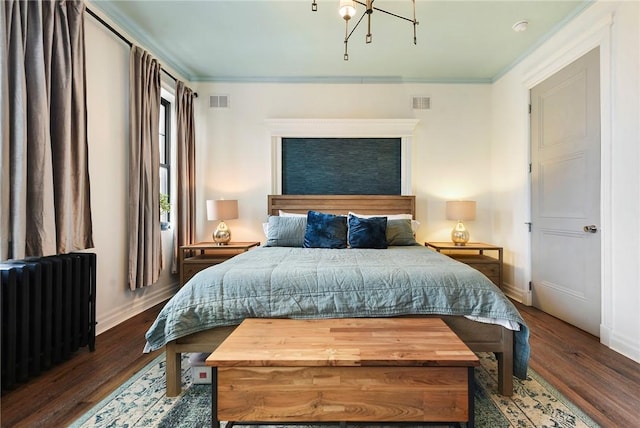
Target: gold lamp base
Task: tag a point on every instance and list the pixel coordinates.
(222, 234)
(460, 234)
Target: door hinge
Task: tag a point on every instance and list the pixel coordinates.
(530, 285)
(529, 167)
(528, 223)
(529, 108)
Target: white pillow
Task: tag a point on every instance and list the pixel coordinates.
(287, 214)
(415, 224)
(388, 216)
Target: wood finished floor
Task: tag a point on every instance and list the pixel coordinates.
(605, 384)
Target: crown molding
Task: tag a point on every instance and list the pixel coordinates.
(352, 128)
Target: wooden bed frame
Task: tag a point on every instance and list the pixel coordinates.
(480, 337)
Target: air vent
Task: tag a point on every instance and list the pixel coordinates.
(219, 101)
(421, 103)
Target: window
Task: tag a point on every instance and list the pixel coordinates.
(165, 159)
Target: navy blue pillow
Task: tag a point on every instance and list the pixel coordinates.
(367, 232)
(325, 231)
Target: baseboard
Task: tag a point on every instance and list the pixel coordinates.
(623, 345)
(119, 315)
(513, 292)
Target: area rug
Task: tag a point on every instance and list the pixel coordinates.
(141, 402)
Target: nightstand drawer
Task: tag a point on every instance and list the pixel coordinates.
(473, 254)
(196, 257)
(491, 272)
(198, 263)
(489, 266)
(190, 270)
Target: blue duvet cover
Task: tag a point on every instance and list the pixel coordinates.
(283, 282)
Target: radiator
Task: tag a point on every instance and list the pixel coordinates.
(48, 312)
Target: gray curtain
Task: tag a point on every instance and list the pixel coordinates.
(145, 247)
(46, 206)
(185, 171)
(4, 137)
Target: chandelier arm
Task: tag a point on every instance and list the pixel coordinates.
(415, 37)
(397, 16)
(355, 26)
(346, 40)
(368, 36)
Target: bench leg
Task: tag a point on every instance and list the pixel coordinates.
(215, 422)
(472, 397)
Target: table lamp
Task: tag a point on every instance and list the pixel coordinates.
(459, 211)
(222, 209)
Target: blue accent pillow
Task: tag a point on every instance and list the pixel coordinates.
(325, 231)
(367, 232)
(286, 231)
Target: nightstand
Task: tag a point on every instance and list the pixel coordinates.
(473, 254)
(196, 257)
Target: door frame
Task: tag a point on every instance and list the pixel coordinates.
(596, 35)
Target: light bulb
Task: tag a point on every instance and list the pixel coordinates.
(347, 9)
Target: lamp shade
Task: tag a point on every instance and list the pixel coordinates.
(222, 209)
(461, 210)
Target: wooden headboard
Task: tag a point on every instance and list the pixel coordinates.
(342, 204)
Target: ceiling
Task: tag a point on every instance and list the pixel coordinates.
(284, 41)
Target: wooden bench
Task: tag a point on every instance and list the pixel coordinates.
(343, 370)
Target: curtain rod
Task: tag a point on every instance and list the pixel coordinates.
(124, 39)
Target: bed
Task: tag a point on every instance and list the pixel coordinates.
(286, 279)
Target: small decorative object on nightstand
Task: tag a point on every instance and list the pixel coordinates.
(196, 257)
(473, 254)
(222, 209)
(459, 211)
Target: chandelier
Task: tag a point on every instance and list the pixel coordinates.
(348, 10)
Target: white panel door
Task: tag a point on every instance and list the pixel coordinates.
(565, 167)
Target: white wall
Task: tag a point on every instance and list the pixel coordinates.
(107, 60)
(451, 145)
(615, 27)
